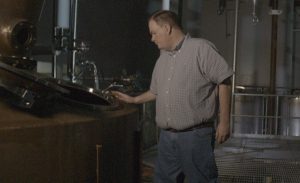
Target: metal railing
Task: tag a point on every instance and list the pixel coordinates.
(280, 116)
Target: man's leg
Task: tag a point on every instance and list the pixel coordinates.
(198, 157)
(167, 168)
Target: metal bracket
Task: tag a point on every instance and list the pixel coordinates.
(275, 12)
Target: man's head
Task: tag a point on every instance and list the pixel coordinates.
(165, 29)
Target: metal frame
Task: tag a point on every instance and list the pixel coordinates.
(266, 96)
(234, 62)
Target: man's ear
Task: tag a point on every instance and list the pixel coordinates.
(168, 28)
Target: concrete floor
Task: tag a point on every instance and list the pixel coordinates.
(249, 160)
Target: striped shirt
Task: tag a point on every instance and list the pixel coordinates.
(185, 84)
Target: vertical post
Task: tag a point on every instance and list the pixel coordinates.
(292, 17)
(234, 62)
(61, 24)
(274, 32)
(266, 119)
(276, 115)
(63, 13)
(74, 10)
(166, 4)
(54, 21)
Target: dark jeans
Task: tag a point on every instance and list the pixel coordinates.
(186, 154)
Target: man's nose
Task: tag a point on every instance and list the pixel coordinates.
(152, 38)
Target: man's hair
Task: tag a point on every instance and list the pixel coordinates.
(166, 17)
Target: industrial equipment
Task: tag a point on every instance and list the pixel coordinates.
(51, 129)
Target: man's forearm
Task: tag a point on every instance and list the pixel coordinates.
(145, 97)
(225, 100)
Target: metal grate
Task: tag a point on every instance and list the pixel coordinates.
(258, 171)
(244, 160)
(259, 164)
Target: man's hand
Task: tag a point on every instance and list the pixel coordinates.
(123, 97)
(222, 132)
(145, 97)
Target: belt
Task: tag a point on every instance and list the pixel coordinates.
(201, 125)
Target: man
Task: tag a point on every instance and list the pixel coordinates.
(189, 82)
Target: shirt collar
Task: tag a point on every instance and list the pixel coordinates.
(179, 45)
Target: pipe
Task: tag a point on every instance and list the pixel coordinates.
(95, 73)
(222, 6)
(63, 13)
(292, 17)
(254, 12)
(54, 56)
(74, 6)
(166, 4)
(234, 61)
(61, 25)
(274, 31)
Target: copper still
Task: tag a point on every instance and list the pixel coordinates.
(59, 146)
(26, 88)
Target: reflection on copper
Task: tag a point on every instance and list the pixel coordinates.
(17, 25)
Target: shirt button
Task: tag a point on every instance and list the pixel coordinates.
(169, 119)
(167, 92)
(169, 79)
(174, 56)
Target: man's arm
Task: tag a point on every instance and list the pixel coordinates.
(145, 97)
(223, 129)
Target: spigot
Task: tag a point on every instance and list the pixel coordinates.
(114, 84)
(83, 47)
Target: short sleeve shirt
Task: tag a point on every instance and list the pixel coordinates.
(185, 84)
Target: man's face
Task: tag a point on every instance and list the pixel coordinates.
(159, 35)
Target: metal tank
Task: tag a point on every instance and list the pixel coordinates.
(247, 109)
(53, 130)
(290, 117)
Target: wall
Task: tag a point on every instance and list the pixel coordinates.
(254, 40)
(118, 36)
(116, 31)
